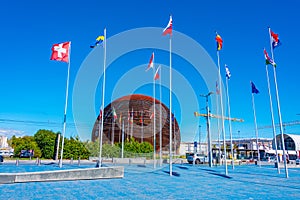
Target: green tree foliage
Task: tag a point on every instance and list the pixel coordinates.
(74, 148)
(46, 142)
(25, 143)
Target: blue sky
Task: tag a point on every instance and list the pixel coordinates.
(33, 86)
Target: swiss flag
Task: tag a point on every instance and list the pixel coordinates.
(60, 52)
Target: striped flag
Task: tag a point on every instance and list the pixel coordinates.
(151, 62)
(115, 114)
(274, 39)
(268, 59)
(219, 42)
(156, 75)
(169, 28)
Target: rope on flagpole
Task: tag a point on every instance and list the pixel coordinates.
(154, 130)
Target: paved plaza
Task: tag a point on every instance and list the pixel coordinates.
(145, 182)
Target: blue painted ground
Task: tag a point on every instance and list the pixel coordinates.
(144, 182)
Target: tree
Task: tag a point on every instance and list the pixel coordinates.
(45, 139)
(25, 143)
(74, 148)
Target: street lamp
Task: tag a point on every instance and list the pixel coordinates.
(208, 129)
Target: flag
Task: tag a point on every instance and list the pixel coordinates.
(219, 42)
(151, 64)
(274, 39)
(169, 28)
(217, 88)
(114, 113)
(253, 88)
(228, 74)
(268, 59)
(156, 75)
(60, 52)
(100, 115)
(98, 41)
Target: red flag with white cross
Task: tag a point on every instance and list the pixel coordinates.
(60, 52)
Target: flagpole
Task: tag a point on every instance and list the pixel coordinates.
(154, 131)
(218, 122)
(222, 116)
(272, 116)
(65, 111)
(103, 95)
(170, 125)
(229, 121)
(160, 122)
(256, 131)
(279, 112)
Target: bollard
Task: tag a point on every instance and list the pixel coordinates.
(129, 161)
(36, 160)
(71, 161)
(17, 162)
(39, 162)
(78, 161)
(144, 161)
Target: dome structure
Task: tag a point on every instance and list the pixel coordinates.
(133, 115)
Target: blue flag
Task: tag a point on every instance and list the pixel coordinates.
(254, 89)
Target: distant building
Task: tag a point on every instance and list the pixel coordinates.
(189, 147)
(291, 144)
(3, 142)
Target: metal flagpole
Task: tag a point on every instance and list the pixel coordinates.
(122, 150)
(160, 122)
(256, 131)
(230, 129)
(222, 116)
(218, 121)
(272, 116)
(103, 95)
(154, 125)
(279, 112)
(65, 112)
(170, 125)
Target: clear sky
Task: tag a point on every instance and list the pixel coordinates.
(33, 87)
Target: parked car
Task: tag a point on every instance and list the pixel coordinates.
(196, 158)
(26, 153)
(298, 161)
(1, 158)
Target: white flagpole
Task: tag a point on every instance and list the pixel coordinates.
(222, 116)
(256, 131)
(272, 116)
(122, 149)
(170, 125)
(218, 121)
(103, 95)
(154, 125)
(229, 121)
(279, 112)
(160, 121)
(65, 112)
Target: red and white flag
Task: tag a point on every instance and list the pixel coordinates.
(151, 62)
(156, 75)
(168, 29)
(60, 52)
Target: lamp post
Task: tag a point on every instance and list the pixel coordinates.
(208, 129)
